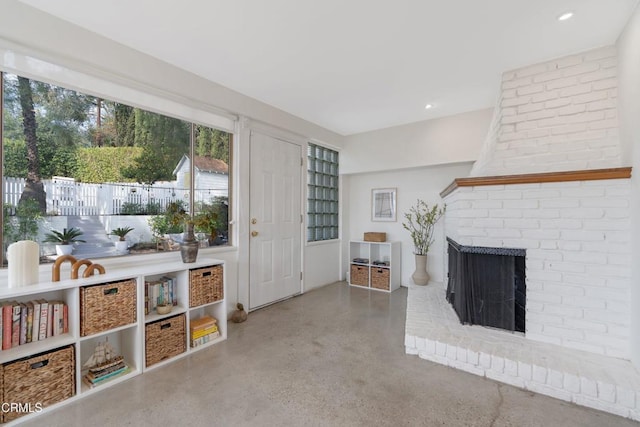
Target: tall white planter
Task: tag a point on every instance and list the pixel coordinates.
(64, 249)
(122, 246)
(420, 276)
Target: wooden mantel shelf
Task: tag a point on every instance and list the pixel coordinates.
(534, 178)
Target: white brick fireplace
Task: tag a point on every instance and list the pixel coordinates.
(549, 181)
(577, 242)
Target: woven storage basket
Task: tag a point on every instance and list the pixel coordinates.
(205, 285)
(375, 237)
(380, 278)
(359, 275)
(164, 339)
(46, 378)
(107, 306)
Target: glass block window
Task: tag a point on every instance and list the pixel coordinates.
(322, 196)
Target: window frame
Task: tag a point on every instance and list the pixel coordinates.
(322, 194)
(142, 99)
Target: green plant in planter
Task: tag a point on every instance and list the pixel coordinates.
(171, 221)
(419, 221)
(211, 218)
(207, 221)
(65, 237)
(122, 232)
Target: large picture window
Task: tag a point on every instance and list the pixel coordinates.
(108, 171)
(322, 193)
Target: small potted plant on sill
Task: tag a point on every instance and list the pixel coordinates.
(122, 245)
(64, 239)
(420, 221)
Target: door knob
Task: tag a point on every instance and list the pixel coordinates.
(254, 233)
(254, 221)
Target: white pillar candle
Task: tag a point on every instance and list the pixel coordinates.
(24, 263)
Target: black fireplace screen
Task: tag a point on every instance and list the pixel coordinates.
(487, 286)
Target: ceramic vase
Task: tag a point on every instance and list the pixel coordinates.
(420, 276)
(189, 246)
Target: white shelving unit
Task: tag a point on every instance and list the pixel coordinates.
(127, 340)
(375, 265)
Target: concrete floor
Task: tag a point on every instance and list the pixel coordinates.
(332, 357)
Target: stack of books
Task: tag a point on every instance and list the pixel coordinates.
(203, 330)
(160, 292)
(103, 365)
(96, 376)
(23, 323)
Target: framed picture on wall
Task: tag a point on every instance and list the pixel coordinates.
(383, 204)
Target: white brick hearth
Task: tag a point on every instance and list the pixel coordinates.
(434, 333)
(577, 241)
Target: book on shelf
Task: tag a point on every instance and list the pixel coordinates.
(24, 311)
(95, 382)
(65, 318)
(7, 324)
(146, 297)
(203, 332)
(15, 328)
(29, 335)
(202, 323)
(44, 316)
(25, 322)
(50, 317)
(173, 289)
(160, 292)
(55, 319)
(204, 339)
(35, 335)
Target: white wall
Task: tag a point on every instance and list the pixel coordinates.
(424, 183)
(321, 264)
(42, 47)
(629, 107)
(444, 140)
(28, 30)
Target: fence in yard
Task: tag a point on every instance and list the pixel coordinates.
(67, 197)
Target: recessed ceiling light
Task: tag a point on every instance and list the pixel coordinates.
(565, 16)
(428, 106)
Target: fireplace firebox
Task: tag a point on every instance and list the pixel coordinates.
(487, 286)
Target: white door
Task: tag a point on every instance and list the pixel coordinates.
(275, 220)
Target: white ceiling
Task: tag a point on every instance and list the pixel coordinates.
(353, 65)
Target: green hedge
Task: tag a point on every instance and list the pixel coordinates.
(104, 164)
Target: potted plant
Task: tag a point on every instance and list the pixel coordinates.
(420, 221)
(64, 239)
(211, 218)
(121, 244)
(207, 222)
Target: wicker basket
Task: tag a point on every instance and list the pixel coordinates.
(43, 379)
(359, 275)
(164, 339)
(375, 237)
(205, 285)
(107, 306)
(380, 278)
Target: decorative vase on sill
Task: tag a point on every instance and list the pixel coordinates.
(189, 246)
(420, 276)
